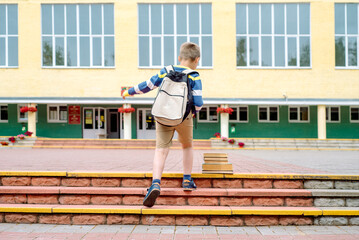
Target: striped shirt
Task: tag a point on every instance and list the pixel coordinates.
(156, 80)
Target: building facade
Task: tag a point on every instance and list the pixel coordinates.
(287, 69)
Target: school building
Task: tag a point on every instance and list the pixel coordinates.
(288, 69)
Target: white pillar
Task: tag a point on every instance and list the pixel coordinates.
(31, 120)
(322, 122)
(127, 134)
(224, 122)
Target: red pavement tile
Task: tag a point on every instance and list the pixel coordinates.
(137, 160)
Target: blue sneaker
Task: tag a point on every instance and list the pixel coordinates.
(188, 185)
(152, 193)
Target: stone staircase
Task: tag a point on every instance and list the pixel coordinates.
(110, 143)
(221, 199)
(293, 144)
(27, 142)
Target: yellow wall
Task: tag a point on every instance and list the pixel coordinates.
(322, 81)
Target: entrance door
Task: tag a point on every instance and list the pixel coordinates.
(146, 124)
(114, 124)
(94, 125)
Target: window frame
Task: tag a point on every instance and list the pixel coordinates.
(298, 111)
(78, 36)
(268, 114)
(272, 36)
(238, 118)
(207, 120)
(58, 113)
(328, 111)
(174, 35)
(346, 36)
(350, 114)
(4, 121)
(7, 35)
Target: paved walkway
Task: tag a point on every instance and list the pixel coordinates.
(121, 232)
(140, 160)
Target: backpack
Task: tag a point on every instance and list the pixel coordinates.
(174, 100)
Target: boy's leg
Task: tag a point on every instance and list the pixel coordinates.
(159, 162)
(164, 137)
(185, 136)
(187, 160)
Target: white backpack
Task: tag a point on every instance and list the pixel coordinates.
(174, 98)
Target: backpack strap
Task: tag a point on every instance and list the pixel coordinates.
(169, 68)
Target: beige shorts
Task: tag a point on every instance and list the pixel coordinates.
(165, 134)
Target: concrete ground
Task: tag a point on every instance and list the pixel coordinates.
(140, 160)
(121, 232)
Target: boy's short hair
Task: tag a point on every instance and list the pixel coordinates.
(189, 50)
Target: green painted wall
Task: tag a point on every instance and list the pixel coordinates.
(282, 129)
(253, 128)
(55, 130)
(343, 129)
(12, 127)
(205, 130)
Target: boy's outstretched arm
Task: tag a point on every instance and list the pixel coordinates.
(146, 86)
(197, 93)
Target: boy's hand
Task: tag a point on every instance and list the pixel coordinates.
(125, 94)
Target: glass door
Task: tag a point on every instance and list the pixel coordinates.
(146, 124)
(94, 125)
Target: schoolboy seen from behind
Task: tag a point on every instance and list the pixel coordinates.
(189, 57)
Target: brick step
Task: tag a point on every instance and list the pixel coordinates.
(176, 215)
(174, 180)
(176, 196)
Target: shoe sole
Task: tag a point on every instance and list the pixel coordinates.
(151, 198)
(189, 189)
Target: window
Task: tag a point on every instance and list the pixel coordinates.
(78, 36)
(208, 114)
(8, 35)
(333, 114)
(268, 114)
(273, 35)
(298, 114)
(164, 27)
(354, 114)
(239, 114)
(4, 114)
(56, 113)
(346, 35)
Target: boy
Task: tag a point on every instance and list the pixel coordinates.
(188, 58)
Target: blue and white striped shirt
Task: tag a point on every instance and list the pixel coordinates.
(156, 80)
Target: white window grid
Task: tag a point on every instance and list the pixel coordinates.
(268, 114)
(298, 112)
(23, 119)
(329, 111)
(273, 35)
(174, 35)
(208, 119)
(58, 114)
(346, 36)
(238, 114)
(1, 120)
(350, 114)
(6, 36)
(78, 36)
